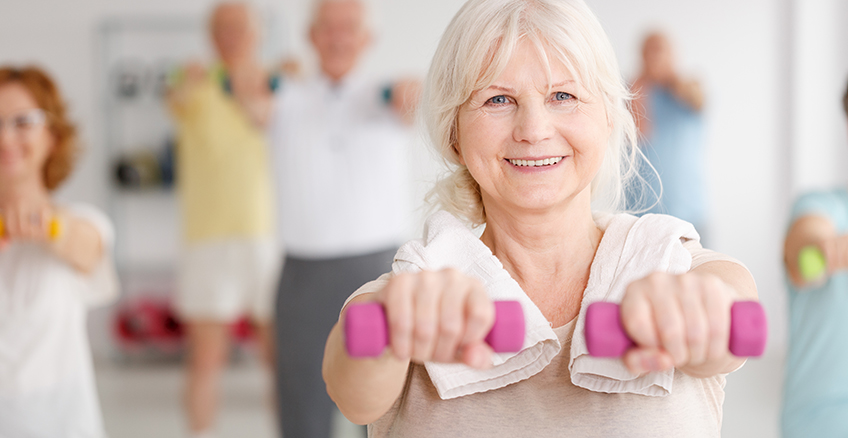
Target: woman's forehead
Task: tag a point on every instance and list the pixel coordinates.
(528, 62)
(14, 96)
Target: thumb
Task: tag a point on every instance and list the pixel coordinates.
(645, 360)
(477, 355)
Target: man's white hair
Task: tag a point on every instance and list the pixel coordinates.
(475, 50)
(366, 10)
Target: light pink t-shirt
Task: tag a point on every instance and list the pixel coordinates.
(549, 405)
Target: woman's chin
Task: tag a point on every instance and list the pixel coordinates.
(537, 206)
(539, 201)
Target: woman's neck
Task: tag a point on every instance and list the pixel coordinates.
(547, 252)
(25, 188)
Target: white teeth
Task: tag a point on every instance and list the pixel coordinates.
(536, 163)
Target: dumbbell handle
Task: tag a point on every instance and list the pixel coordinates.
(605, 336)
(811, 263)
(367, 334)
(54, 228)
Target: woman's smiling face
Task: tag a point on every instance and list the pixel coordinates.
(532, 141)
(25, 139)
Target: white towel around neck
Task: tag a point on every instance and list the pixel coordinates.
(630, 249)
(449, 243)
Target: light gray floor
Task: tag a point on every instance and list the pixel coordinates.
(143, 401)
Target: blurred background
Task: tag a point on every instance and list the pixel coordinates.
(772, 71)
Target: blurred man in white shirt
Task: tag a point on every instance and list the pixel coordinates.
(339, 141)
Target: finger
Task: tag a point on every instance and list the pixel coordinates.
(717, 306)
(29, 223)
(38, 224)
(13, 228)
(829, 251)
(637, 316)
(477, 355)
(697, 327)
(397, 300)
(452, 317)
(669, 318)
(47, 216)
(479, 314)
(841, 252)
(426, 315)
(647, 360)
(24, 223)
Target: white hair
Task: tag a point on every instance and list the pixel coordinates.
(475, 50)
(365, 4)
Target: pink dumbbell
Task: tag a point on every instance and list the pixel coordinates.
(367, 334)
(605, 336)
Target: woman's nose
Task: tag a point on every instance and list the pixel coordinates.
(533, 123)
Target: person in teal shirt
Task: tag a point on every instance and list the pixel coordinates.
(815, 400)
(668, 113)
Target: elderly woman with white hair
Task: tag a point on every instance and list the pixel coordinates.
(525, 101)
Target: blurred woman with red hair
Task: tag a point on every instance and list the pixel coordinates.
(54, 263)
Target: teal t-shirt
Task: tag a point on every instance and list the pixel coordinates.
(674, 146)
(815, 401)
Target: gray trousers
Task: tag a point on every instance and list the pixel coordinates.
(309, 297)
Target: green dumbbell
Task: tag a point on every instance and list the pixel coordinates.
(811, 263)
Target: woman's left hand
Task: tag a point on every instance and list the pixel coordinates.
(680, 321)
(406, 94)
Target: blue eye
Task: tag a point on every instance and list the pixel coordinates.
(559, 95)
(499, 100)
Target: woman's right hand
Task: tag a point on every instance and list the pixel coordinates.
(438, 316)
(25, 220)
(818, 231)
(835, 251)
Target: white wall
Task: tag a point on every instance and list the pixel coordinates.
(772, 70)
(62, 36)
(820, 137)
(736, 50)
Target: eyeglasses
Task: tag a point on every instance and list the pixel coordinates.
(24, 121)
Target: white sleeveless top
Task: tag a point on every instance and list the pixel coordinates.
(47, 386)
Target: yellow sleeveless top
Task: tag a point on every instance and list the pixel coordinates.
(222, 167)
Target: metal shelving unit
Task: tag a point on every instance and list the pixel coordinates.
(136, 56)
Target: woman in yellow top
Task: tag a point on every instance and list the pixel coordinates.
(230, 261)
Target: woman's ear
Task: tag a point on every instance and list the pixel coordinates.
(454, 139)
(456, 151)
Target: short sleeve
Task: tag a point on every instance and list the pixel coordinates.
(370, 287)
(102, 283)
(830, 204)
(701, 255)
